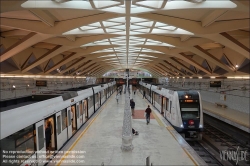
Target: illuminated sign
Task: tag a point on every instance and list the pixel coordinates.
(41, 83)
(188, 101)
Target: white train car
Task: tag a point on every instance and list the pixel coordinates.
(100, 95)
(24, 129)
(182, 108)
(111, 88)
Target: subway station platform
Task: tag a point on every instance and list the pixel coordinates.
(101, 139)
(233, 117)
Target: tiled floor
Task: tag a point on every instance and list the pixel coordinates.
(139, 114)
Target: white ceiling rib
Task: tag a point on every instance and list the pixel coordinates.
(128, 33)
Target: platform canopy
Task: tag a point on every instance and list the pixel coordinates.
(89, 38)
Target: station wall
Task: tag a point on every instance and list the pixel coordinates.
(27, 86)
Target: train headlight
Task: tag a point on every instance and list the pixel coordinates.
(181, 125)
(200, 126)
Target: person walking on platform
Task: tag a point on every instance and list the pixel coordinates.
(117, 97)
(132, 105)
(144, 93)
(148, 112)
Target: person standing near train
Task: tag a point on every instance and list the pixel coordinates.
(48, 133)
(148, 112)
(132, 105)
(144, 93)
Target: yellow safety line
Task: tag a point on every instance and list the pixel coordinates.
(169, 128)
(158, 120)
(190, 157)
(84, 131)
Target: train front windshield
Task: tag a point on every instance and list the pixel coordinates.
(190, 111)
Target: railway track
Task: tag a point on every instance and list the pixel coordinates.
(204, 153)
(228, 148)
(218, 148)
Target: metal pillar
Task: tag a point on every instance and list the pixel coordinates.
(127, 136)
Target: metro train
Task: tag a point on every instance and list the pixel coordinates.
(181, 108)
(23, 128)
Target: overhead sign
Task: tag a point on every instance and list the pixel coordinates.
(41, 83)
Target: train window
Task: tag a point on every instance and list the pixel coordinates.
(189, 110)
(96, 97)
(90, 102)
(64, 119)
(58, 124)
(102, 93)
(22, 140)
(190, 115)
(69, 117)
(23, 135)
(40, 137)
(77, 111)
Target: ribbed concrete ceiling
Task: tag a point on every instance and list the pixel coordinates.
(165, 38)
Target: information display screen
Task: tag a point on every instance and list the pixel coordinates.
(41, 83)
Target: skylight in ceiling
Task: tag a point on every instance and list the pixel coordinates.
(143, 55)
(106, 56)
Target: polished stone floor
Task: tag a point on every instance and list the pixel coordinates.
(103, 139)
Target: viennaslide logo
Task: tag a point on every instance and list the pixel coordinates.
(233, 155)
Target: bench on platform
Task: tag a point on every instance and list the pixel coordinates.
(221, 105)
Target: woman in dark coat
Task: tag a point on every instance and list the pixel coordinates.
(48, 133)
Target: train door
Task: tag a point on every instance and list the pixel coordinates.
(73, 118)
(167, 113)
(98, 99)
(105, 93)
(61, 129)
(50, 135)
(109, 91)
(69, 122)
(87, 109)
(78, 121)
(170, 107)
(81, 113)
(162, 104)
(58, 133)
(84, 111)
(40, 141)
